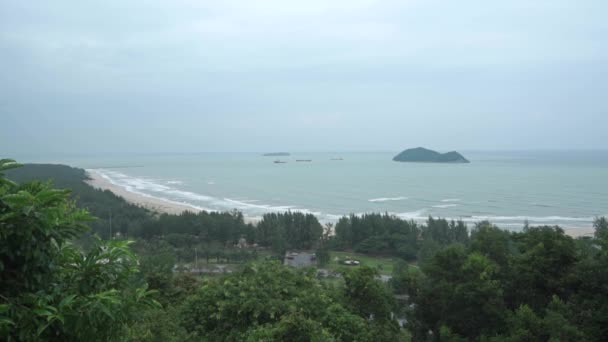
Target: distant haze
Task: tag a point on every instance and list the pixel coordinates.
(189, 75)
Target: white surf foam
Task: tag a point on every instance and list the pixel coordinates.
(251, 204)
(506, 221)
(533, 218)
(417, 215)
(244, 205)
(189, 195)
(151, 188)
(386, 199)
(135, 185)
(443, 206)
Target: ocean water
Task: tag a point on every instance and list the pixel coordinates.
(557, 188)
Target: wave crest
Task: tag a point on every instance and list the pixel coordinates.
(387, 199)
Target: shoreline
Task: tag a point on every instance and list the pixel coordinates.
(161, 206)
(154, 204)
(151, 203)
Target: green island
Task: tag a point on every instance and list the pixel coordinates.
(81, 264)
(423, 155)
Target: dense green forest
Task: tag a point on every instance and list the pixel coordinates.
(389, 235)
(127, 219)
(62, 278)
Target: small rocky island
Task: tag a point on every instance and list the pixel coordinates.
(277, 154)
(423, 155)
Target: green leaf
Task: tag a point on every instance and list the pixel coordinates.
(67, 301)
(6, 321)
(106, 311)
(42, 328)
(42, 312)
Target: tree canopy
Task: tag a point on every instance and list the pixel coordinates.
(49, 289)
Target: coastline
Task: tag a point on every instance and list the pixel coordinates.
(579, 232)
(161, 206)
(153, 204)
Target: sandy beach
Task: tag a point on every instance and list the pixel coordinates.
(148, 202)
(151, 203)
(579, 232)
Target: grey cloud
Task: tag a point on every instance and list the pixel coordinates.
(313, 75)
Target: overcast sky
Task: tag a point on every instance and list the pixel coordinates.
(193, 75)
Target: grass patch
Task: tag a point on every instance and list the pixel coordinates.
(382, 264)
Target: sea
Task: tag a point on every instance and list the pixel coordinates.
(508, 188)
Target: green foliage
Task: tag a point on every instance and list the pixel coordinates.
(557, 322)
(267, 301)
(383, 234)
(525, 325)
(601, 230)
(378, 234)
(126, 219)
(49, 290)
(290, 230)
(292, 327)
(184, 232)
(537, 285)
(367, 296)
(457, 285)
(88, 293)
(156, 256)
(405, 280)
(428, 249)
(7, 164)
(589, 302)
(546, 258)
(158, 325)
(224, 227)
(492, 242)
(446, 335)
(445, 232)
(36, 221)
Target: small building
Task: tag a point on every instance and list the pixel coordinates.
(242, 243)
(300, 259)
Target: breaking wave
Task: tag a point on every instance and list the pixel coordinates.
(443, 206)
(386, 199)
(154, 189)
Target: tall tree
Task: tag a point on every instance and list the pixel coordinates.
(458, 285)
(542, 268)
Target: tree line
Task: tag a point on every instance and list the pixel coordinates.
(384, 234)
